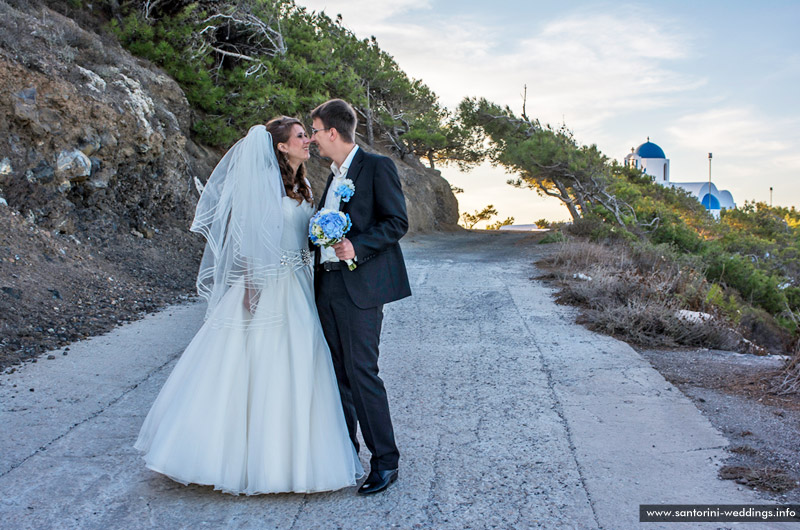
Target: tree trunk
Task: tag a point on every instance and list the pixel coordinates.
(370, 134)
(565, 197)
(580, 197)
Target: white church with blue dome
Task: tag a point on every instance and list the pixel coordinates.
(650, 159)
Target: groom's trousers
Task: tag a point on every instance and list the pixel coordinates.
(353, 335)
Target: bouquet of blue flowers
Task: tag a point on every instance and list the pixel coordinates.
(328, 227)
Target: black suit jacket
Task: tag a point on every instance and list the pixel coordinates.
(377, 210)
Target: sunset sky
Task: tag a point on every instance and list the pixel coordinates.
(696, 77)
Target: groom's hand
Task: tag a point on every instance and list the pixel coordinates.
(344, 249)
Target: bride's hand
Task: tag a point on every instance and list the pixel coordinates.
(250, 299)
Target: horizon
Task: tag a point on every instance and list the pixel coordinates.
(713, 78)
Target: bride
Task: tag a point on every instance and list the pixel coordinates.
(253, 406)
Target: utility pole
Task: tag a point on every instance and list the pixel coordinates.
(708, 206)
(770, 196)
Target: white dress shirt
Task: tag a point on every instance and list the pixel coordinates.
(333, 202)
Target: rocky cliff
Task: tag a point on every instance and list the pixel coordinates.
(97, 174)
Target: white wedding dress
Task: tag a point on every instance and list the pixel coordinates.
(256, 409)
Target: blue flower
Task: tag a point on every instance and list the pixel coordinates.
(345, 190)
(328, 227)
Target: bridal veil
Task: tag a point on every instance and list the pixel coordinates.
(239, 214)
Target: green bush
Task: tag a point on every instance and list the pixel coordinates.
(716, 299)
(553, 237)
(756, 287)
(792, 295)
(676, 233)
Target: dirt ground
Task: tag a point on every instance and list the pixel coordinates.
(56, 289)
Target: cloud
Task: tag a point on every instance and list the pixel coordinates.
(592, 68)
(736, 131)
(585, 67)
(365, 12)
(751, 151)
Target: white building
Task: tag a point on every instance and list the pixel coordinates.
(651, 160)
(524, 228)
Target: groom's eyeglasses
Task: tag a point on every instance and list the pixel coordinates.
(315, 131)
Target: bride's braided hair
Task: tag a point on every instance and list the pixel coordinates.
(295, 184)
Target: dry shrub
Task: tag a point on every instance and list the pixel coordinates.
(635, 293)
(606, 288)
(788, 381)
(653, 323)
(768, 478)
(578, 255)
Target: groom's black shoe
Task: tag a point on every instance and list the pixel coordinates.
(378, 481)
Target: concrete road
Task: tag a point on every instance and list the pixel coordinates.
(507, 414)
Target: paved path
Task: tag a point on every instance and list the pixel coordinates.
(507, 414)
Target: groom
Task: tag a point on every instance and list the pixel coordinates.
(350, 303)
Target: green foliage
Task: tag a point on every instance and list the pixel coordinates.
(674, 232)
(755, 286)
(716, 298)
(553, 237)
(497, 224)
(167, 42)
(469, 220)
(237, 73)
(792, 295)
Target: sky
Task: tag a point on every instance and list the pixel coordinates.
(696, 77)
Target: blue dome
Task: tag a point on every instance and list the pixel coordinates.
(650, 150)
(710, 202)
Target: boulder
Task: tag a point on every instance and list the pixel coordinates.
(73, 166)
